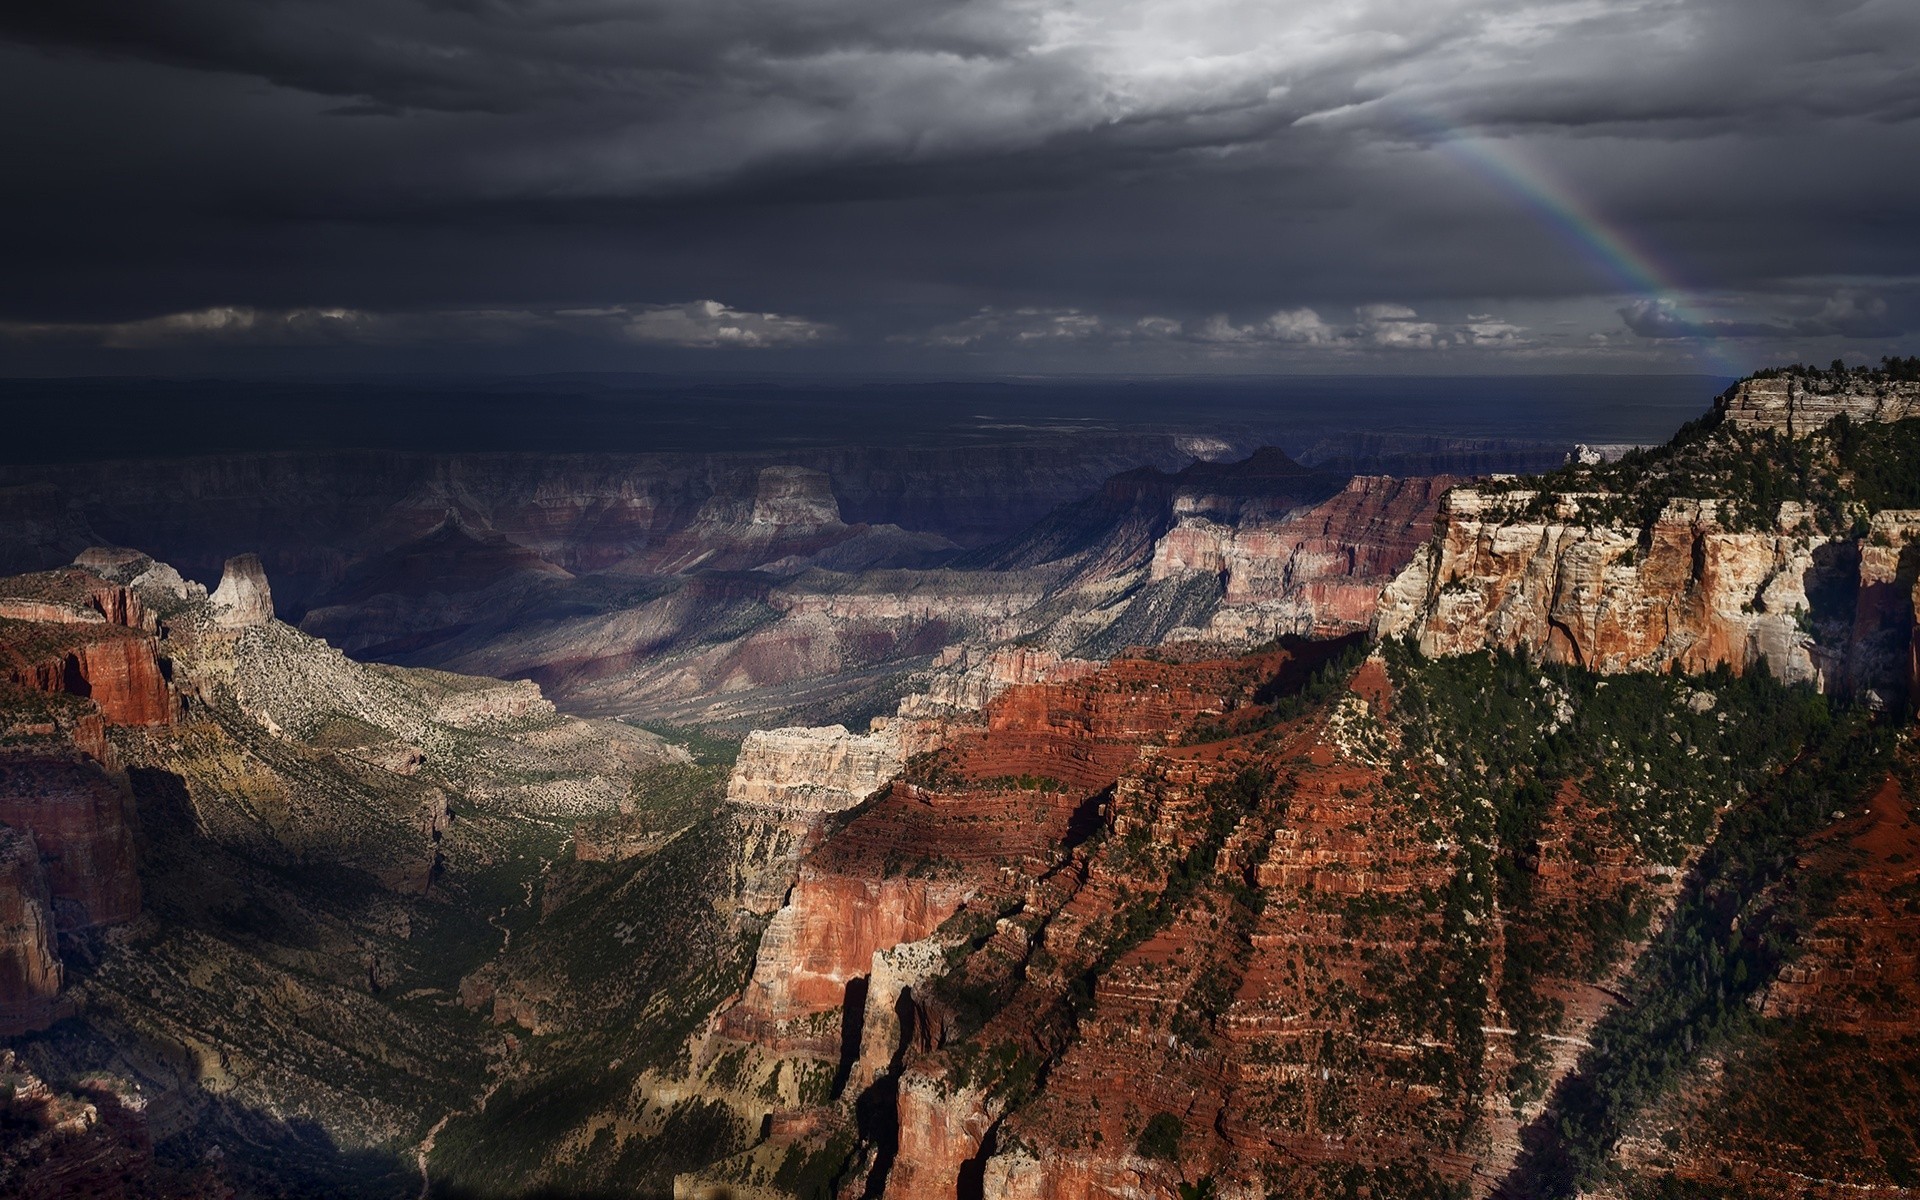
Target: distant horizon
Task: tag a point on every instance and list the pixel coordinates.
(96, 417)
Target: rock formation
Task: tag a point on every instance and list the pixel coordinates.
(821, 770)
(1316, 572)
(118, 670)
(85, 636)
(243, 598)
(1590, 593)
(1569, 576)
(1796, 405)
(92, 1141)
(30, 970)
(83, 822)
(1042, 945)
(305, 835)
(1237, 551)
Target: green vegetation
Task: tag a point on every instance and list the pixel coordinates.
(1657, 758)
(708, 749)
(627, 961)
(1891, 370)
(1840, 472)
(815, 1175)
(1734, 927)
(1161, 1138)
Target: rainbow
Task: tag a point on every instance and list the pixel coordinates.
(1617, 255)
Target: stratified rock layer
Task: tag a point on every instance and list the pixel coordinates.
(1685, 592)
(1796, 405)
(82, 820)
(30, 970)
(1316, 572)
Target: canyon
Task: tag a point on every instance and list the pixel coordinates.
(1260, 1021)
(737, 589)
(273, 831)
(1229, 828)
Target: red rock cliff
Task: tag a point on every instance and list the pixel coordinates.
(83, 821)
(30, 971)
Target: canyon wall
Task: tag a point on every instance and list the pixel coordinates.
(1128, 932)
(1796, 405)
(1685, 592)
(314, 516)
(83, 822)
(1316, 572)
(30, 970)
(81, 635)
(788, 784)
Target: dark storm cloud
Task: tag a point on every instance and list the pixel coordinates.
(1847, 313)
(909, 173)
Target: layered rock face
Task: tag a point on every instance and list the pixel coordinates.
(124, 679)
(316, 516)
(117, 670)
(1317, 572)
(85, 636)
(788, 783)
(243, 597)
(820, 770)
(1238, 551)
(30, 970)
(83, 822)
(841, 969)
(1586, 593)
(1796, 405)
(755, 589)
(1882, 663)
(1684, 592)
(785, 786)
(1130, 933)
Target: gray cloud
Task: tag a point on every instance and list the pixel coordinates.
(704, 324)
(1847, 313)
(1043, 176)
(1373, 327)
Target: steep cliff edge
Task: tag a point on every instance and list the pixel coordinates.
(30, 969)
(1796, 404)
(1781, 532)
(76, 632)
(83, 822)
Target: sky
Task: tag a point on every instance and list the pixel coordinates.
(958, 186)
